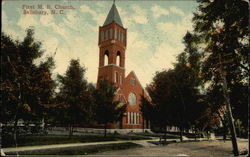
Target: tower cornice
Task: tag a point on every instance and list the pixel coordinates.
(114, 65)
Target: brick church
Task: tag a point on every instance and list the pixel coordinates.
(112, 43)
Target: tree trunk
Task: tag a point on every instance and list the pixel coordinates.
(165, 134)
(195, 133)
(14, 134)
(105, 130)
(70, 130)
(17, 115)
(143, 125)
(181, 130)
(229, 109)
(224, 127)
(15, 131)
(208, 136)
(224, 132)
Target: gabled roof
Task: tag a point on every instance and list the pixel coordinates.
(133, 74)
(113, 16)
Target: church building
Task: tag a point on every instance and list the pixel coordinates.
(112, 53)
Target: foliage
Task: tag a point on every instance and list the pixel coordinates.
(25, 85)
(223, 27)
(176, 93)
(74, 96)
(146, 108)
(190, 94)
(107, 109)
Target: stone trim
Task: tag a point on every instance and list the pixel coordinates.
(111, 65)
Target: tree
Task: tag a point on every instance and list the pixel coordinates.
(159, 94)
(107, 109)
(147, 109)
(176, 93)
(165, 94)
(223, 25)
(44, 86)
(21, 88)
(74, 96)
(18, 73)
(189, 83)
(230, 19)
(9, 75)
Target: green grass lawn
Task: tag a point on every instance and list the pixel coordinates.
(83, 150)
(31, 140)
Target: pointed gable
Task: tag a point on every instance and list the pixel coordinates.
(137, 83)
(113, 16)
(132, 75)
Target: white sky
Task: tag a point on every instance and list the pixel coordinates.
(155, 30)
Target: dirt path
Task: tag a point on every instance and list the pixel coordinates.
(203, 148)
(54, 146)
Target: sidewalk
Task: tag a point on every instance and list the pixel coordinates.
(55, 146)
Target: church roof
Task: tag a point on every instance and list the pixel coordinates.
(113, 16)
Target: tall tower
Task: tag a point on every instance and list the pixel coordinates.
(112, 43)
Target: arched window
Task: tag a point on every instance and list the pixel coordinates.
(132, 99)
(106, 58)
(116, 77)
(107, 34)
(132, 81)
(128, 117)
(117, 34)
(135, 118)
(102, 36)
(110, 33)
(118, 58)
(122, 37)
(121, 78)
(132, 117)
(138, 118)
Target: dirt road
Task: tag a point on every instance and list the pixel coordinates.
(204, 148)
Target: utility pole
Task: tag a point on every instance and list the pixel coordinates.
(229, 110)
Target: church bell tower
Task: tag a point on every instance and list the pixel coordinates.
(112, 45)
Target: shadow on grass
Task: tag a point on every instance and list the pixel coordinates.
(162, 142)
(32, 140)
(81, 150)
(170, 136)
